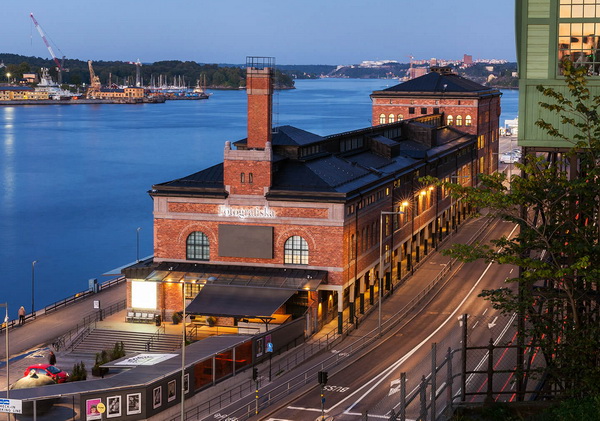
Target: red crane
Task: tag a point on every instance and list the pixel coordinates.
(59, 65)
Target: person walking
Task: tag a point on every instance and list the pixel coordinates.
(51, 358)
(22, 316)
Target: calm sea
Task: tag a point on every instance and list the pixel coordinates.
(74, 179)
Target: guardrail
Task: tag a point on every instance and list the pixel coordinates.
(63, 303)
(73, 336)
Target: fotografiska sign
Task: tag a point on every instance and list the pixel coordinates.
(243, 213)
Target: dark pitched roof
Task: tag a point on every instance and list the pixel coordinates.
(209, 178)
(436, 82)
(289, 136)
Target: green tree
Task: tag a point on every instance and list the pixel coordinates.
(556, 206)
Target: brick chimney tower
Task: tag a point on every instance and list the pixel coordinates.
(247, 171)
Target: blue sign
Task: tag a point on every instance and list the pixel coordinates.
(270, 347)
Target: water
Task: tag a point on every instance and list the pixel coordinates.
(74, 179)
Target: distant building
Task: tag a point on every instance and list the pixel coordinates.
(415, 72)
(467, 60)
(464, 104)
(132, 92)
(30, 78)
(547, 31)
(288, 225)
(16, 93)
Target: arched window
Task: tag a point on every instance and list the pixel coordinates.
(449, 120)
(468, 120)
(295, 251)
(400, 117)
(391, 118)
(197, 246)
(459, 120)
(381, 118)
(250, 178)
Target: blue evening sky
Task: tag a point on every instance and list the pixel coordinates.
(294, 32)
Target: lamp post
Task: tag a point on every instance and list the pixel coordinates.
(137, 254)
(5, 305)
(33, 286)
(182, 352)
(381, 271)
(8, 78)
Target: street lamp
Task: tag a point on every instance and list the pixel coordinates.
(381, 271)
(138, 244)
(8, 75)
(33, 286)
(5, 305)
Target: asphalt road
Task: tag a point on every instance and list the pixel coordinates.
(370, 383)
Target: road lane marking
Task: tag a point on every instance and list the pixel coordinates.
(387, 372)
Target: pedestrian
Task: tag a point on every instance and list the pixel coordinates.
(22, 315)
(51, 358)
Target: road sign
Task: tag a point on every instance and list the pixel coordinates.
(11, 406)
(270, 347)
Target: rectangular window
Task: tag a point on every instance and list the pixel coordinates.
(423, 110)
(411, 110)
(579, 41)
(436, 110)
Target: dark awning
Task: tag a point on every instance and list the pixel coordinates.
(236, 301)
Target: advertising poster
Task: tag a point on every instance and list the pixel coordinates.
(91, 409)
(134, 403)
(113, 404)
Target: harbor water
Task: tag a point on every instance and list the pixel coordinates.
(74, 178)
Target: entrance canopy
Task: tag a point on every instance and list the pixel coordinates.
(238, 301)
(249, 276)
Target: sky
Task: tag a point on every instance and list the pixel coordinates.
(294, 32)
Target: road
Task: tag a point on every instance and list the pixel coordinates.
(370, 383)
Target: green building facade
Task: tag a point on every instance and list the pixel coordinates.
(547, 31)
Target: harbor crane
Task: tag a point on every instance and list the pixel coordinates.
(60, 68)
(94, 82)
(138, 67)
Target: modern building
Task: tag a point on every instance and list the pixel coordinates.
(547, 32)
(293, 224)
(466, 105)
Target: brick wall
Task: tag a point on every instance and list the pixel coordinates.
(260, 103)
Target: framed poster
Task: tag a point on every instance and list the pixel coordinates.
(134, 403)
(157, 397)
(259, 347)
(91, 409)
(186, 383)
(113, 406)
(171, 391)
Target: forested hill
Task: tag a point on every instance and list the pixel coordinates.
(118, 72)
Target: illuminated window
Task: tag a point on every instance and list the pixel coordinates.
(400, 117)
(296, 251)
(198, 247)
(449, 120)
(459, 120)
(468, 120)
(391, 118)
(579, 41)
(381, 118)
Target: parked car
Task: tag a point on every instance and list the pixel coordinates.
(517, 151)
(509, 158)
(52, 371)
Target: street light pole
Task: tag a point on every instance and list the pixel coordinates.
(33, 286)
(138, 244)
(381, 271)
(5, 305)
(182, 352)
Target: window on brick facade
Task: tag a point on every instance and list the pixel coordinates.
(459, 120)
(436, 110)
(250, 178)
(242, 178)
(391, 118)
(400, 117)
(197, 246)
(468, 120)
(381, 118)
(295, 251)
(449, 120)
(411, 110)
(423, 110)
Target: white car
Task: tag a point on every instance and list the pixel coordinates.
(509, 158)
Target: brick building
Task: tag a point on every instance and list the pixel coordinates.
(291, 223)
(468, 106)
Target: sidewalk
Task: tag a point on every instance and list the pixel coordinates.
(28, 343)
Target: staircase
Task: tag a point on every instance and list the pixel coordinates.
(99, 339)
